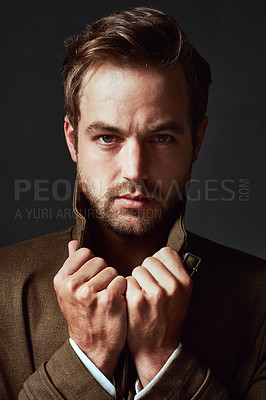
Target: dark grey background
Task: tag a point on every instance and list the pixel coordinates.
(229, 34)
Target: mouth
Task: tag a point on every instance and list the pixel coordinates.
(136, 201)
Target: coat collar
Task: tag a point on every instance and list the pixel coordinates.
(177, 238)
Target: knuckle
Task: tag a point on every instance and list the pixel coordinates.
(85, 292)
(112, 271)
(56, 281)
(172, 287)
(189, 284)
(168, 251)
(136, 271)
(138, 298)
(158, 294)
(86, 253)
(106, 297)
(98, 260)
(81, 294)
(148, 260)
(121, 280)
(71, 285)
(90, 289)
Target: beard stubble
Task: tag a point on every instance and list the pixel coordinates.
(162, 212)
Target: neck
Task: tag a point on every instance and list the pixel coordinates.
(125, 253)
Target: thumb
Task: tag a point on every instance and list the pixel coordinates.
(72, 247)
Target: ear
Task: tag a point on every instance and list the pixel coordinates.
(69, 135)
(199, 139)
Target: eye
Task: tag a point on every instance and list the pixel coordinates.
(105, 139)
(162, 138)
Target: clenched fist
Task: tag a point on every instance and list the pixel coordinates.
(91, 297)
(158, 295)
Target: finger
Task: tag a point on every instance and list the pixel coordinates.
(159, 271)
(133, 288)
(172, 261)
(88, 270)
(145, 279)
(118, 285)
(75, 261)
(102, 279)
(72, 247)
(132, 284)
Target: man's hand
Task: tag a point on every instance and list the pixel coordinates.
(91, 297)
(158, 295)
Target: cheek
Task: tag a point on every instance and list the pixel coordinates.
(89, 162)
(96, 170)
(172, 167)
(172, 172)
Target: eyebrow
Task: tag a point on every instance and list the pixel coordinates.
(170, 125)
(102, 126)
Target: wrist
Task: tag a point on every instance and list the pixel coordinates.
(105, 360)
(149, 364)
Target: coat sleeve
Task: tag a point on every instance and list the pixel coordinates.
(253, 374)
(186, 379)
(63, 377)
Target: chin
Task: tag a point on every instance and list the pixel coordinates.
(132, 226)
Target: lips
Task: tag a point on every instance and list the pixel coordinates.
(134, 197)
(136, 201)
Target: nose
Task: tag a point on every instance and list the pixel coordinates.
(134, 161)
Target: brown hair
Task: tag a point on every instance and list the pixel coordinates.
(138, 37)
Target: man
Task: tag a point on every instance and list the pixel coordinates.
(125, 320)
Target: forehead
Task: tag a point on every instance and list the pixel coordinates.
(111, 91)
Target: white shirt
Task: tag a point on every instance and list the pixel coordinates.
(109, 386)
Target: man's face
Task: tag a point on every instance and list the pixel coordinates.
(135, 149)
